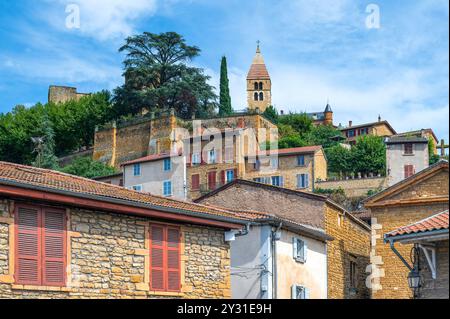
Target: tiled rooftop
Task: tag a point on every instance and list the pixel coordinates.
(435, 222)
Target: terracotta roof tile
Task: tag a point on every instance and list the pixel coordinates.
(60, 181)
(149, 158)
(258, 72)
(435, 222)
(295, 150)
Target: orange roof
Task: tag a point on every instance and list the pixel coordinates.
(435, 222)
(292, 151)
(258, 72)
(25, 176)
(149, 158)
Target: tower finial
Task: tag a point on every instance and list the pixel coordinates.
(257, 46)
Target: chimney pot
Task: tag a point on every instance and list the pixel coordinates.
(350, 123)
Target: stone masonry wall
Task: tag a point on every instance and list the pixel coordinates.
(355, 187)
(436, 288)
(351, 242)
(109, 258)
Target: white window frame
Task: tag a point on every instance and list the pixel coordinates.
(137, 188)
(196, 159)
(298, 257)
(212, 157)
(304, 292)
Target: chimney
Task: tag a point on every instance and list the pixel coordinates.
(350, 123)
(379, 118)
(282, 112)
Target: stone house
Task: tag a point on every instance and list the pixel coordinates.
(347, 254)
(63, 236)
(161, 175)
(294, 168)
(405, 156)
(114, 179)
(419, 196)
(380, 128)
(430, 239)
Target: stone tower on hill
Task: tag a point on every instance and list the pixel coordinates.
(259, 85)
(61, 94)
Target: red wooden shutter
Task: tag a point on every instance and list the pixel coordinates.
(28, 246)
(173, 259)
(409, 170)
(195, 182)
(212, 180)
(157, 258)
(54, 247)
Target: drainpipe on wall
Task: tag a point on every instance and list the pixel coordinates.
(313, 172)
(275, 237)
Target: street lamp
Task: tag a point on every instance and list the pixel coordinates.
(414, 279)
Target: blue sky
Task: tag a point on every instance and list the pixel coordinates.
(314, 50)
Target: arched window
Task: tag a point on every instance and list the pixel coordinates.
(261, 96)
(260, 86)
(256, 85)
(256, 96)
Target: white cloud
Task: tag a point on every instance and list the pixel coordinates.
(106, 19)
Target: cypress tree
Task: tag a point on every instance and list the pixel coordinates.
(225, 107)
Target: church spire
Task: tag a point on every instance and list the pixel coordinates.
(259, 85)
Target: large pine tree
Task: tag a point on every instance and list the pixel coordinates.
(225, 107)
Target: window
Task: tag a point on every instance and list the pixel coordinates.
(165, 258)
(196, 159)
(353, 274)
(167, 188)
(301, 160)
(167, 164)
(121, 182)
(230, 175)
(255, 97)
(302, 181)
(409, 170)
(300, 250)
(212, 180)
(351, 133)
(261, 96)
(256, 86)
(408, 149)
(277, 181)
(40, 246)
(257, 165)
(212, 157)
(229, 155)
(300, 292)
(137, 188)
(261, 86)
(274, 163)
(137, 169)
(195, 184)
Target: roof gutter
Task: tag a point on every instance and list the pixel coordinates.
(227, 221)
(438, 234)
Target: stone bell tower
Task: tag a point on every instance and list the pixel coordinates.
(259, 85)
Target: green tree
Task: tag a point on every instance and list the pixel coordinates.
(86, 167)
(322, 135)
(291, 141)
(369, 155)
(158, 77)
(271, 114)
(225, 107)
(339, 160)
(45, 146)
(433, 158)
(301, 123)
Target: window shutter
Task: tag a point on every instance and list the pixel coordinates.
(28, 247)
(195, 181)
(305, 251)
(306, 180)
(54, 246)
(281, 181)
(306, 293)
(223, 177)
(235, 175)
(294, 245)
(212, 180)
(294, 292)
(157, 266)
(173, 259)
